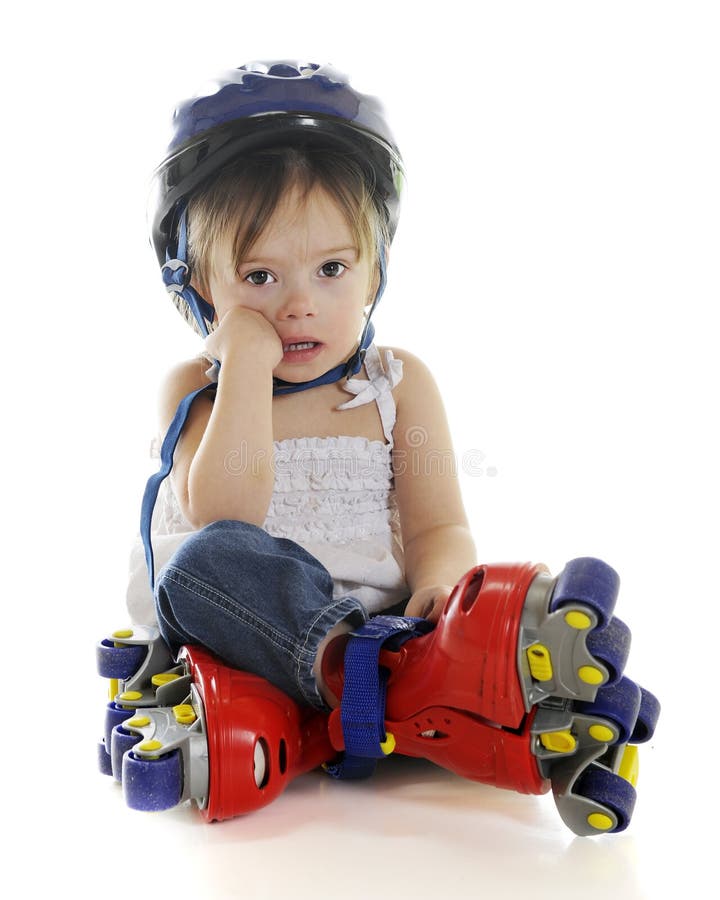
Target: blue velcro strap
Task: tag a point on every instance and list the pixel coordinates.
(351, 768)
(362, 709)
(166, 460)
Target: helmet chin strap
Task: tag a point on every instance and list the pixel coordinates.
(176, 277)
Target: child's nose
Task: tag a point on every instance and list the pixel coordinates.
(297, 303)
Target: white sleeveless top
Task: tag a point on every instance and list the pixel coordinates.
(333, 496)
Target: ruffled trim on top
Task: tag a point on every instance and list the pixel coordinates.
(336, 489)
(344, 463)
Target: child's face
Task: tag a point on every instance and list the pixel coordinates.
(304, 275)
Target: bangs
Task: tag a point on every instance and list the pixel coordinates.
(235, 209)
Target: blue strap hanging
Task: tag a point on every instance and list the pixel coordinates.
(166, 460)
(362, 708)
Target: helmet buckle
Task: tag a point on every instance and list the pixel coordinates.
(175, 275)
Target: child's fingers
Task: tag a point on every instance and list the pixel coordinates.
(428, 603)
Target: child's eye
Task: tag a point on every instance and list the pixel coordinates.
(259, 277)
(332, 269)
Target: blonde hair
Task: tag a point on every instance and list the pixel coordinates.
(236, 206)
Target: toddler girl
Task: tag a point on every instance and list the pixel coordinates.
(313, 486)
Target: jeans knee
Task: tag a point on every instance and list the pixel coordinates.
(215, 541)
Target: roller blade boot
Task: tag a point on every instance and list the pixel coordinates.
(194, 729)
(519, 685)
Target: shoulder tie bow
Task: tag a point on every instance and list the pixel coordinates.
(367, 391)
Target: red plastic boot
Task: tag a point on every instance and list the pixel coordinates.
(258, 739)
(454, 695)
(520, 685)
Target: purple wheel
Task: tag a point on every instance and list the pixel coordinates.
(588, 581)
(620, 704)
(121, 742)
(119, 662)
(115, 715)
(611, 792)
(152, 784)
(611, 645)
(104, 759)
(647, 718)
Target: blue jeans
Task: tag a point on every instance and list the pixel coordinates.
(260, 603)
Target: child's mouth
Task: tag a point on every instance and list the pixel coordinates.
(301, 351)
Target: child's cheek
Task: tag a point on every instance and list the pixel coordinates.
(248, 301)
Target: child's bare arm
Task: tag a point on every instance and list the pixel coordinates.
(438, 546)
(223, 462)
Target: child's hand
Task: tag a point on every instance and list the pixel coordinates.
(428, 602)
(248, 332)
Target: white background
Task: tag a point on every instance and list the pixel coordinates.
(556, 266)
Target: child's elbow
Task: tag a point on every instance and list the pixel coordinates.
(250, 505)
(200, 522)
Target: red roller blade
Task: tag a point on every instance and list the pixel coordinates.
(520, 685)
(454, 695)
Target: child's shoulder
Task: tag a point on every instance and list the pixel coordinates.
(189, 373)
(417, 378)
(417, 398)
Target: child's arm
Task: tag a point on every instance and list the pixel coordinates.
(439, 548)
(223, 462)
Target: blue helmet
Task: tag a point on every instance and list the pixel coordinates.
(260, 105)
